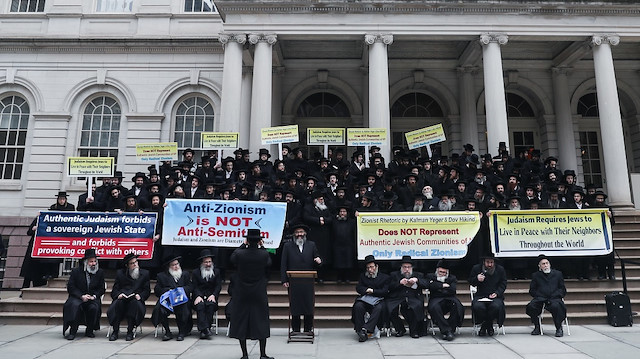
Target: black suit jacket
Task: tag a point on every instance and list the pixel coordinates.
(205, 288)
(165, 282)
(77, 285)
(127, 285)
(293, 259)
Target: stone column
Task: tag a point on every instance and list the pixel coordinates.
(613, 150)
(564, 120)
(245, 106)
(231, 82)
(379, 112)
(261, 90)
(494, 96)
(468, 118)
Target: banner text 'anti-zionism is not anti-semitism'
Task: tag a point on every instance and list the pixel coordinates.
(428, 235)
(567, 232)
(113, 235)
(221, 223)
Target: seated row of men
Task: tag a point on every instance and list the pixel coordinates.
(384, 296)
(178, 293)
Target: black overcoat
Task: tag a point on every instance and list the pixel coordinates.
(126, 285)
(301, 294)
(344, 243)
(77, 287)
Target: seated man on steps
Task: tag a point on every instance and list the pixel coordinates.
(206, 291)
(372, 287)
(172, 279)
(85, 287)
(547, 287)
(130, 290)
(405, 291)
(488, 304)
(443, 300)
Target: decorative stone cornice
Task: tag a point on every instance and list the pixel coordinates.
(561, 70)
(487, 38)
(371, 39)
(599, 39)
(270, 39)
(224, 38)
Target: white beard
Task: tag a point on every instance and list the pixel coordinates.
(417, 208)
(321, 206)
(134, 273)
(547, 270)
(176, 274)
(408, 274)
(90, 270)
(300, 241)
(207, 273)
(445, 206)
(371, 275)
(441, 278)
(515, 208)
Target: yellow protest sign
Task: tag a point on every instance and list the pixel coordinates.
(421, 235)
(90, 166)
(280, 134)
(559, 232)
(325, 136)
(219, 140)
(425, 136)
(366, 136)
(154, 152)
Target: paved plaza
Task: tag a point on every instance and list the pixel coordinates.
(588, 341)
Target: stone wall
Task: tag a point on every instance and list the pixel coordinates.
(15, 229)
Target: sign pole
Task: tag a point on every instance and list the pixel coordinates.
(89, 182)
(429, 152)
(326, 151)
(366, 158)
(280, 151)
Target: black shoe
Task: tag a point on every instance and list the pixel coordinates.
(203, 334)
(559, 332)
(180, 337)
(601, 277)
(129, 336)
(89, 334)
(482, 332)
(415, 335)
(70, 336)
(536, 330)
(167, 336)
(114, 336)
(490, 331)
(448, 336)
(266, 357)
(612, 277)
(401, 333)
(362, 335)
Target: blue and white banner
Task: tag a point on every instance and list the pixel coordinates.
(205, 222)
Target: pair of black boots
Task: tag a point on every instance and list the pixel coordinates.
(116, 333)
(537, 331)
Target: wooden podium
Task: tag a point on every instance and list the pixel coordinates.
(298, 280)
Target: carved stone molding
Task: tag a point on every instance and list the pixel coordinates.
(224, 38)
(561, 70)
(270, 39)
(611, 39)
(487, 38)
(473, 70)
(371, 39)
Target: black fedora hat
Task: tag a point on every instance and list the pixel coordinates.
(62, 194)
(369, 259)
(170, 258)
(129, 257)
(300, 225)
(253, 235)
(406, 259)
(206, 253)
(443, 263)
(90, 253)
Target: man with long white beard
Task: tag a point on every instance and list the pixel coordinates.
(172, 278)
(514, 203)
(299, 254)
(405, 293)
(443, 300)
(206, 291)
(130, 290)
(547, 287)
(85, 288)
(372, 287)
(445, 203)
(319, 218)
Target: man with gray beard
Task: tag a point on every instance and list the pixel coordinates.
(85, 288)
(488, 303)
(206, 291)
(173, 277)
(405, 296)
(319, 218)
(547, 287)
(372, 287)
(445, 204)
(130, 290)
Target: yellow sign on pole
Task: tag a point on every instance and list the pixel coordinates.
(280, 134)
(90, 166)
(219, 140)
(325, 136)
(425, 136)
(154, 152)
(366, 137)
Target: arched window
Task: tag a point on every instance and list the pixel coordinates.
(193, 116)
(100, 128)
(14, 121)
(323, 104)
(416, 104)
(518, 106)
(588, 105)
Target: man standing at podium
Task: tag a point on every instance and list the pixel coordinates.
(300, 254)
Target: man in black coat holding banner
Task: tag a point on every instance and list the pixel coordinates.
(130, 290)
(86, 287)
(172, 279)
(206, 291)
(405, 294)
(372, 287)
(300, 254)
